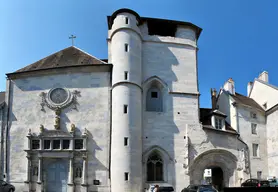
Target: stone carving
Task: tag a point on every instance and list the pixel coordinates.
(30, 132)
(59, 98)
(72, 128)
(41, 128)
(57, 118)
(78, 172)
(35, 171)
(241, 160)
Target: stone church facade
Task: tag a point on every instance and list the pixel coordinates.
(72, 122)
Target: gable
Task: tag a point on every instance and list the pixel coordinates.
(264, 93)
(70, 56)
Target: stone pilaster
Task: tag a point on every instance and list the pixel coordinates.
(70, 176)
(39, 181)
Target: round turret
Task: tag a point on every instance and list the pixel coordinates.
(126, 140)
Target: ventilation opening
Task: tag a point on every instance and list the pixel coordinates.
(126, 141)
(126, 75)
(126, 47)
(125, 108)
(162, 28)
(126, 20)
(126, 176)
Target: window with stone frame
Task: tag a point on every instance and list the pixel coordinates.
(154, 100)
(155, 167)
(35, 144)
(78, 143)
(254, 128)
(255, 148)
(218, 123)
(46, 144)
(66, 144)
(56, 144)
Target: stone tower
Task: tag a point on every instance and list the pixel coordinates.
(125, 50)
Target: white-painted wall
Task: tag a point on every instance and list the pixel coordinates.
(262, 93)
(244, 121)
(272, 144)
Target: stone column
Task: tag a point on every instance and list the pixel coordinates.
(39, 181)
(84, 185)
(70, 177)
(40, 171)
(27, 181)
(84, 171)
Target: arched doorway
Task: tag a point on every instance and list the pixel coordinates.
(214, 175)
(223, 163)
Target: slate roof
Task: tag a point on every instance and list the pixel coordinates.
(70, 56)
(2, 97)
(246, 101)
(205, 118)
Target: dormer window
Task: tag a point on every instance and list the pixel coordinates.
(253, 115)
(218, 123)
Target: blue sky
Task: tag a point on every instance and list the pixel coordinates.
(239, 37)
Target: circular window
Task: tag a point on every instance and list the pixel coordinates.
(59, 95)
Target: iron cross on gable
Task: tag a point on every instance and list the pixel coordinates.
(72, 37)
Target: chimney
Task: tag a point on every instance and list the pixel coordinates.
(249, 87)
(230, 86)
(213, 98)
(264, 76)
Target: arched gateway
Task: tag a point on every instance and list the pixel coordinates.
(215, 158)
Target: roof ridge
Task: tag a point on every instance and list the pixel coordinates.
(89, 54)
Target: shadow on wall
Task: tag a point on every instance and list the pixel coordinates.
(160, 128)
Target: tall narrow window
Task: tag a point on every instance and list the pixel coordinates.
(155, 167)
(254, 128)
(126, 176)
(126, 47)
(126, 20)
(125, 109)
(259, 175)
(255, 150)
(154, 100)
(126, 141)
(56, 144)
(126, 75)
(46, 144)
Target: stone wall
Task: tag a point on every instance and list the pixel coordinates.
(92, 113)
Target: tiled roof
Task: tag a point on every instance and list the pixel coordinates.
(70, 56)
(246, 101)
(2, 97)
